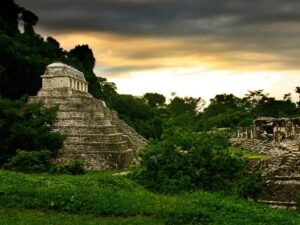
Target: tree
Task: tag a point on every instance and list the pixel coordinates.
(85, 55)
(225, 110)
(27, 127)
(9, 12)
(30, 20)
(188, 105)
(186, 161)
(154, 99)
(108, 89)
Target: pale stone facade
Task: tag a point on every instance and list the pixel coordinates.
(59, 75)
(94, 133)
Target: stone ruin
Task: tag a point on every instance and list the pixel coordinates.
(272, 129)
(278, 139)
(94, 133)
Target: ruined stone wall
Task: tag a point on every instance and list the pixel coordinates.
(278, 139)
(272, 129)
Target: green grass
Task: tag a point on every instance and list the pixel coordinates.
(13, 216)
(247, 154)
(101, 198)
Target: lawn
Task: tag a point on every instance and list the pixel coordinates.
(247, 154)
(104, 198)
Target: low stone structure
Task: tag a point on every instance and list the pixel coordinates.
(279, 139)
(94, 133)
(268, 128)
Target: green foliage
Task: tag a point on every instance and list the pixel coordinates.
(85, 55)
(30, 162)
(13, 216)
(188, 105)
(103, 194)
(74, 168)
(247, 154)
(184, 161)
(154, 99)
(27, 126)
(9, 13)
(41, 162)
(225, 110)
(108, 89)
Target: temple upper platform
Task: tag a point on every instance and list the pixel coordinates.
(60, 75)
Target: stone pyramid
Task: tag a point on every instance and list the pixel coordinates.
(94, 133)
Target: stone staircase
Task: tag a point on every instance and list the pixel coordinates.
(91, 135)
(281, 169)
(282, 192)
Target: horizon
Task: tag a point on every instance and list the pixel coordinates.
(195, 48)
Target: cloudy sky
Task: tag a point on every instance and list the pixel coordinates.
(192, 47)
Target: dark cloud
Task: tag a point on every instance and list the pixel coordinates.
(165, 17)
(265, 26)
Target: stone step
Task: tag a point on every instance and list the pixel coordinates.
(286, 178)
(82, 122)
(79, 114)
(279, 204)
(81, 107)
(86, 138)
(66, 99)
(85, 129)
(100, 160)
(94, 147)
(283, 190)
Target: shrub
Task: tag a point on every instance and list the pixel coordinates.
(74, 168)
(30, 162)
(41, 162)
(186, 161)
(27, 126)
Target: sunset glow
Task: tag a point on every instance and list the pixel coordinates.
(226, 49)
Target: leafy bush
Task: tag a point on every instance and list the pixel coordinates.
(30, 162)
(27, 126)
(185, 161)
(74, 168)
(41, 162)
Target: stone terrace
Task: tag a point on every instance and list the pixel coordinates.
(278, 138)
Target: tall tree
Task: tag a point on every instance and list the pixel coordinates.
(30, 20)
(154, 99)
(85, 55)
(9, 12)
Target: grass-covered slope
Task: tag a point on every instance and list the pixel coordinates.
(121, 201)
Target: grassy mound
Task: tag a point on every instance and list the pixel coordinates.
(106, 195)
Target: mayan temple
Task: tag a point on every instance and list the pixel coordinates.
(94, 133)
